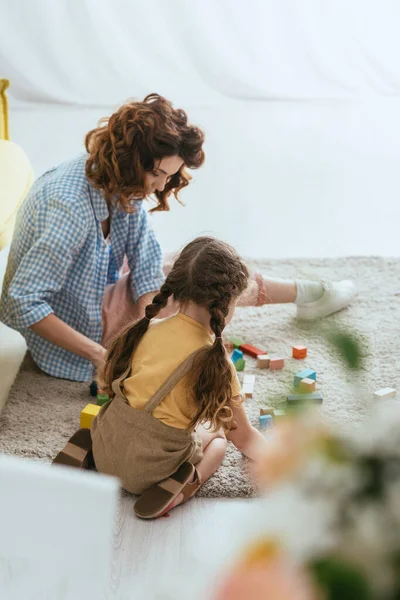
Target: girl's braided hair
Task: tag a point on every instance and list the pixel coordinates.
(210, 273)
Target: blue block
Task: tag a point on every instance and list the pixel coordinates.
(236, 355)
(315, 397)
(266, 421)
(303, 374)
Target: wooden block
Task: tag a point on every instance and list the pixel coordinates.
(236, 355)
(279, 413)
(262, 361)
(102, 398)
(385, 393)
(276, 363)
(307, 385)
(240, 364)
(251, 350)
(266, 421)
(229, 347)
(304, 374)
(93, 389)
(248, 385)
(88, 414)
(299, 398)
(237, 342)
(268, 410)
(299, 352)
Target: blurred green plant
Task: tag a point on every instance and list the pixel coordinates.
(340, 580)
(344, 341)
(348, 346)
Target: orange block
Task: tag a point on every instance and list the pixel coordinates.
(299, 352)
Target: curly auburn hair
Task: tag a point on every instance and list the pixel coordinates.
(126, 145)
(210, 273)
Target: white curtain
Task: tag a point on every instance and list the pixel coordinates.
(101, 52)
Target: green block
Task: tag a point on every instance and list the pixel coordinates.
(278, 413)
(240, 364)
(236, 342)
(315, 397)
(102, 399)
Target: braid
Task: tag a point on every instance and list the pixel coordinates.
(217, 321)
(212, 375)
(160, 301)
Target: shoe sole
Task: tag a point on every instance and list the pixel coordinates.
(77, 452)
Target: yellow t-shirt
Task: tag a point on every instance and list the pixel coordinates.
(165, 345)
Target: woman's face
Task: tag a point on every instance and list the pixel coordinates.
(156, 180)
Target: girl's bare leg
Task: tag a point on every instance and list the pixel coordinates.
(214, 448)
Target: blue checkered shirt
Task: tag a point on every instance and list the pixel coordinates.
(59, 262)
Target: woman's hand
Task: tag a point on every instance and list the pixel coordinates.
(99, 357)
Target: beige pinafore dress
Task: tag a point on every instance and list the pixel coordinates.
(141, 450)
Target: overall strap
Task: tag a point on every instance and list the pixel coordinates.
(116, 384)
(172, 380)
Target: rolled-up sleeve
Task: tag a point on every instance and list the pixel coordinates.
(144, 255)
(44, 268)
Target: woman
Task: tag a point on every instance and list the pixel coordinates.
(62, 288)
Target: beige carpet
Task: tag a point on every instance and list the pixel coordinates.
(43, 412)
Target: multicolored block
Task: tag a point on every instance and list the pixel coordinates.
(276, 363)
(236, 355)
(236, 341)
(263, 361)
(88, 414)
(266, 421)
(268, 410)
(240, 364)
(304, 374)
(248, 385)
(307, 385)
(315, 397)
(299, 352)
(251, 350)
(385, 393)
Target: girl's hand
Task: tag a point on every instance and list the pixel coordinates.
(245, 437)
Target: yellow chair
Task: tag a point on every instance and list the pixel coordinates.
(16, 174)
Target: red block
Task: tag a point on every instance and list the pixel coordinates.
(251, 350)
(299, 351)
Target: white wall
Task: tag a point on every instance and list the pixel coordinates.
(312, 178)
(300, 102)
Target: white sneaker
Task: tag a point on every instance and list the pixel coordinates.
(337, 295)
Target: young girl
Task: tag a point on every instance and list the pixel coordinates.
(176, 394)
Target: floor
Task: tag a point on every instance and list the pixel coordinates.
(281, 179)
(188, 551)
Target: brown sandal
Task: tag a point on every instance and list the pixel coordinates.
(156, 500)
(191, 488)
(77, 452)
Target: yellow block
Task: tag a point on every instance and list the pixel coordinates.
(88, 414)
